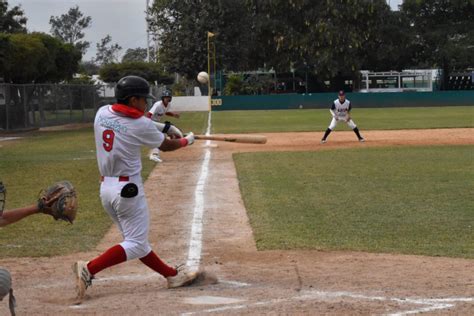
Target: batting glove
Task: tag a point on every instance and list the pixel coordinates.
(190, 138)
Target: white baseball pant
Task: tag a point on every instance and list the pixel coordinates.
(129, 214)
(333, 124)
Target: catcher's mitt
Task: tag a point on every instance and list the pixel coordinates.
(60, 201)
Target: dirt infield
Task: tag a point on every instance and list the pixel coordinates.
(203, 179)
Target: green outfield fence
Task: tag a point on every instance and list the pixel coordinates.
(360, 100)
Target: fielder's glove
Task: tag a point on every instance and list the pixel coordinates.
(60, 201)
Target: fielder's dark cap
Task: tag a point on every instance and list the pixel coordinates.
(132, 86)
(341, 92)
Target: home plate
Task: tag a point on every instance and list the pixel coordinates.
(211, 300)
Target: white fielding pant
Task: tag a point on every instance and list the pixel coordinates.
(129, 214)
(334, 122)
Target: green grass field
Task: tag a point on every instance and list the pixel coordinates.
(318, 120)
(411, 200)
(38, 160)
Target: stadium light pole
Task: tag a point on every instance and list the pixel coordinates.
(209, 91)
(147, 32)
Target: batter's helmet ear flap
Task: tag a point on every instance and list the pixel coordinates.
(132, 86)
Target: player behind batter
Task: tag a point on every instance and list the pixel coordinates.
(340, 111)
(120, 131)
(157, 111)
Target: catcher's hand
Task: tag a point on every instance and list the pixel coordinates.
(59, 200)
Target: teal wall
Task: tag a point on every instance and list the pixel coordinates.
(360, 100)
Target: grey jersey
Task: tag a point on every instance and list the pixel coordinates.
(341, 110)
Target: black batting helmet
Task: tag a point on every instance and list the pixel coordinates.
(132, 86)
(167, 94)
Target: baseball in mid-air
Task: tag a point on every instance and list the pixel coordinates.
(203, 77)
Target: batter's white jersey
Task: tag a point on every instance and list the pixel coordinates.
(158, 110)
(118, 140)
(341, 110)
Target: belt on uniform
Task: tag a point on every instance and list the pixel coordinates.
(120, 179)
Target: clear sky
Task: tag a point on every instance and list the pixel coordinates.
(124, 20)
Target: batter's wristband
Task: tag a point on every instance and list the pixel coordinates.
(167, 127)
(183, 141)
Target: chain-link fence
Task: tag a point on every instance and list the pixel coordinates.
(27, 106)
(38, 105)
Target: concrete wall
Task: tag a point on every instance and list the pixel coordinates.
(190, 104)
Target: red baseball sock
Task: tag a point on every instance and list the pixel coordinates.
(111, 257)
(155, 263)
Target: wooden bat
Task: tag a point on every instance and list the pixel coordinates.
(243, 138)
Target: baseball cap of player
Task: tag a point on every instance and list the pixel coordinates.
(342, 93)
(132, 86)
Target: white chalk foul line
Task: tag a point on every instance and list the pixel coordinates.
(432, 304)
(195, 243)
(8, 138)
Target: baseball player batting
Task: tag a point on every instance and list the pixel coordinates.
(157, 111)
(340, 111)
(120, 131)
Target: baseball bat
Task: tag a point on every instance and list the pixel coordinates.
(251, 139)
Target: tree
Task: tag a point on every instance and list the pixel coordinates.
(13, 20)
(392, 46)
(89, 68)
(328, 38)
(444, 33)
(149, 71)
(37, 58)
(70, 27)
(33, 58)
(107, 52)
(183, 27)
(135, 54)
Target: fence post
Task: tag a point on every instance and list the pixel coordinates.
(55, 92)
(7, 105)
(70, 103)
(32, 104)
(25, 110)
(82, 103)
(94, 92)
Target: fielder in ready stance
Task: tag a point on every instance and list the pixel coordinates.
(120, 131)
(340, 111)
(157, 111)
